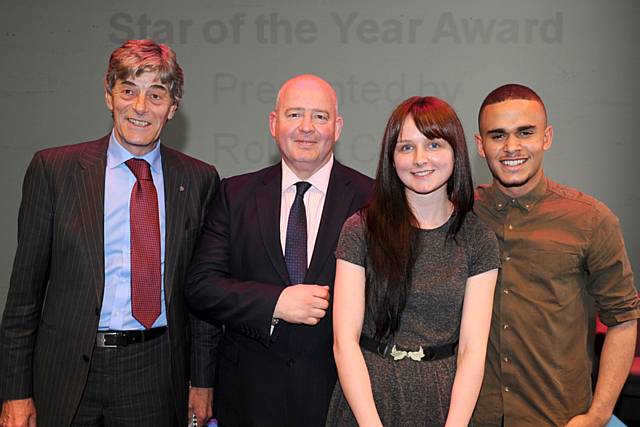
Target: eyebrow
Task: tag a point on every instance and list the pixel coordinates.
(518, 129)
(153, 86)
(288, 110)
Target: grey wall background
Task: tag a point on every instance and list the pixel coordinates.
(581, 56)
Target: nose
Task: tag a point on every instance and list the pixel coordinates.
(421, 157)
(140, 104)
(306, 125)
(511, 144)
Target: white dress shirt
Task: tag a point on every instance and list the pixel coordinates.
(313, 202)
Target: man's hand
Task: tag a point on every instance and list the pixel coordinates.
(18, 413)
(587, 420)
(615, 362)
(201, 404)
(305, 304)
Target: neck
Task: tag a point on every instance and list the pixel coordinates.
(137, 150)
(431, 210)
(520, 190)
(301, 171)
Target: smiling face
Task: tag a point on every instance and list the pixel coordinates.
(513, 138)
(423, 165)
(141, 105)
(305, 124)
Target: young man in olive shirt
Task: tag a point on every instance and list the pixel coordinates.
(556, 243)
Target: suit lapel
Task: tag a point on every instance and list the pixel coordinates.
(175, 191)
(335, 211)
(268, 199)
(89, 185)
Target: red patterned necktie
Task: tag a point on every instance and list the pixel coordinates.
(145, 245)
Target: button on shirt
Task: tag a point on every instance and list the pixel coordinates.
(556, 244)
(119, 181)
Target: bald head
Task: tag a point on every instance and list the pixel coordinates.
(307, 82)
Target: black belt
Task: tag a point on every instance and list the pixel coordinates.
(428, 353)
(112, 339)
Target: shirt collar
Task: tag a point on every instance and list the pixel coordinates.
(526, 202)
(117, 154)
(319, 180)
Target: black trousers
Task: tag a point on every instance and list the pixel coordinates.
(129, 386)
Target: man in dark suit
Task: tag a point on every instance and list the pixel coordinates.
(95, 329)
(264, 267)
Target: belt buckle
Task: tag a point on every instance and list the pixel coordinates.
(102, 341)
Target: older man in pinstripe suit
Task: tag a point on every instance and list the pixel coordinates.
(95, 329)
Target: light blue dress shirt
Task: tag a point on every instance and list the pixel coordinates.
(118, 183)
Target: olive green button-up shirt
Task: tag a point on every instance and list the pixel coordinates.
(555, 244)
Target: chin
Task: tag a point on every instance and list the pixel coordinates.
(421, 191)
(513, 182)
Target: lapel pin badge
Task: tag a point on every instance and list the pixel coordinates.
(181, 188)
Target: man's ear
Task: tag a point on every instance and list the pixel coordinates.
(172, 110)
(108, 99)
(273, 121)
(479, 145)
(548, 138)
(338, 129)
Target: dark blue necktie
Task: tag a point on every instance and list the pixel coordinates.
(295, 251)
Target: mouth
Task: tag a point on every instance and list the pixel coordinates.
(513, 162)
(138, 123)
(305, 144)
(423, 173)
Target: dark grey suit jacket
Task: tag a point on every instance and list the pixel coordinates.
(237, 274)
(48, 330)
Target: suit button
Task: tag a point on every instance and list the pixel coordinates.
(85, 358)
(290, 362)
(97, 311)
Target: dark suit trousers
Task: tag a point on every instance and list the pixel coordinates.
(129, 386)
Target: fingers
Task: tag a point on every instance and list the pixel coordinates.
(303, 304)
(319, 304)
(18, 413)
(200, 404)
(319, 291)
(317, 315)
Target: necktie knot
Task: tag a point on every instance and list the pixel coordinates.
(302, 187)
(140, 169)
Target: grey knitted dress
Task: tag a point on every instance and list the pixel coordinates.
(406, 392)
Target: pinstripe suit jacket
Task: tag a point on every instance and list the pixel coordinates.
(48, 330)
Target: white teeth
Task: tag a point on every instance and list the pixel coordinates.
(422, 173)
(138, 122)
(513, 162)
